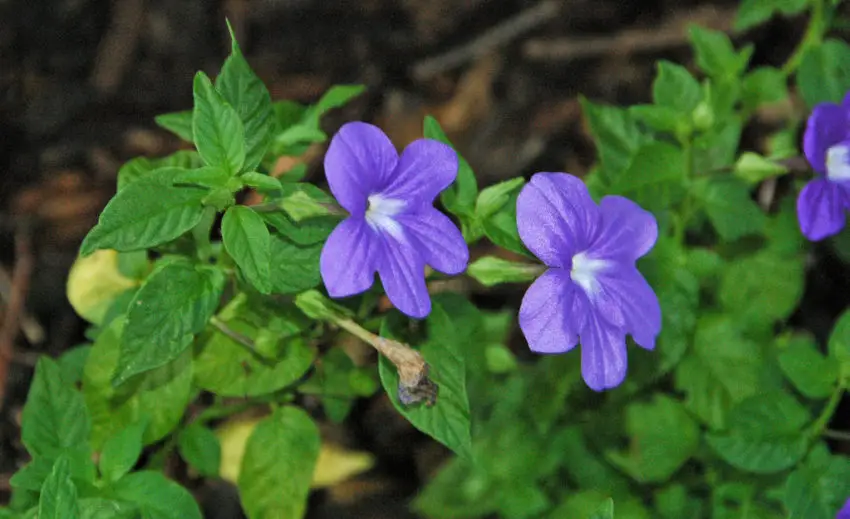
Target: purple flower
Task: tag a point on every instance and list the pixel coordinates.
(844, 513)
(393, 228)
(592, 291)
(822, 203)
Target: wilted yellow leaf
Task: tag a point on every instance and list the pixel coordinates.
(93, 284)
(335, 464)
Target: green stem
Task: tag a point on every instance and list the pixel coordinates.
(819, 426)
(813, 36)
(201, 233)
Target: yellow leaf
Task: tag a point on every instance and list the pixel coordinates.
(94, 282)
(233, 435)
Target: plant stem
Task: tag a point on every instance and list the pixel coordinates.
(201, 233)
(813, 36)
(244, 340)
(836, 435)
(819, 426)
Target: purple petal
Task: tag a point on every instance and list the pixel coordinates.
(844, 513)
(437, 239)
(426, 168)
(603, 354)
(820, 209)
(358, 163)
(548, 316)
(627, 231)
(556, 217)
(348, 257)
(827, 126)
(402, 271)
(626, 301)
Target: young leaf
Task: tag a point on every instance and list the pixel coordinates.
(824, 73)
(200, 448)
(729, 207)
(178, 123)
(246, 238)
(764, 434)
(55, 417)
(448, 420)
(278, 464)
(615, 134)
(58, 498)
(715, 54)
(756, 12)
(763, 85)
(335, 97)
(661, 118)
(492, 199)
(294, 268)
(459, 198)
(676, 88)
(261, 182)
(146, 213)
(501, 228)
(175, 302)
(137, 168)
(812, 373)
(120, 452)
(156, 496)
(160, 395)
(219, 134)
(655, 178)
(316, 306)
(208, 176)
(490, 271)
(244, 91)
(753, 168)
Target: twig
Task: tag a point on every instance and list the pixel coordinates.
(116, 48)
(15, 307)
(244, 340)
(836, 435)
(31, 329)
(494, 38)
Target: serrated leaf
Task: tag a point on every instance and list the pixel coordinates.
(139, 167)
(178, 123)
(490, 271)
(97, 508)
(58, 499)
(811, 372)
(200, 448)
(261, 182)
(676, 88)
(715, 54)
(207, 176)
(459, 198)
(32, 475)
(756, 12)
(121, 451)
(615, 134)
(448, 420)
(655, 176)
(764, 434)
(824, 73)
(501, 228)
(146, 213)
(156, 497)
(246, 238)
(294, 268)
(175, 302)
(278, 464)
(729, 207)
(218, 131)
(244, 91)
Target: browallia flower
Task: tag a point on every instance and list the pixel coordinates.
(844, 513)
(822, 203)
(393, 228)
(592, 292)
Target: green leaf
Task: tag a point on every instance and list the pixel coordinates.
(156, 497)
(824, 73)
(207, 176)
(605, 510)
(246, 238)
(673, 502)
(764, 434)
(178, 123)
(752, 168)
(244, 91)
(723, 368)
(490, 271)
(229, 368)
(309, 231)
(586, 502)
(812, 373)
(97, 508)
(32, 475)
(120, 452)
(161, 395)
(303, 201)
(493, 198)
(615, 134)
(717, 148)
(146, 213)
(839, 342)
(655, 177)
(278, 465)
(200, 448)
(72, 362)
(663, 437)
(660, 118)
(219, 133)
(261, 182)
(715, 54)
(137, 168)
(676, 88)
(459, 198)
(448, 420)
(294, 268)
(339, 382)
(759, 301)
(58, 498)
(764, 85)
(54, 417)
(756, 12)
(175, 302)
(729, 207)
(335, 97)
(501, 228)
(316, 306)
(819, 488)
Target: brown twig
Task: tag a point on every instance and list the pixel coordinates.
(494, 38)
(15, 305)
(31, 329)
(114, 55)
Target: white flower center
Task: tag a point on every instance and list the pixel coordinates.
(584, 273)
(838, 162)
(380, 214)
